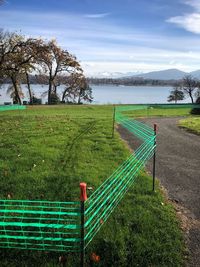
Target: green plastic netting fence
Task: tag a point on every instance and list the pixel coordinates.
(40, 225)
(56, 226)
(12, 107)
(103, 201)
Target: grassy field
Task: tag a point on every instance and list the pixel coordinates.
(159, 112)
(47, 151)
(191, 124)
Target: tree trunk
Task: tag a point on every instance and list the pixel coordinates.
(79, 97)
(191, 98)
(49, 92)
(14, 82)
(55, 89)
(64, 93)
(29, 89)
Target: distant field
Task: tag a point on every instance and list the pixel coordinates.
(192, 124)
(45, 153)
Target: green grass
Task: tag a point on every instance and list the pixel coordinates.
(47, 151)
(160, 112)
(191, 124)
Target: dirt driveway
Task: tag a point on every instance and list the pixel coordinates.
(178, 169)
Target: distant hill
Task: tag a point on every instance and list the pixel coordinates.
(166, 75)
(196, 74)
(115, 75)
(170, 74)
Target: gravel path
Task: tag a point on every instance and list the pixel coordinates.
(178, 169)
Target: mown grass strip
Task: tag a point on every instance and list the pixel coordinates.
(191, 124)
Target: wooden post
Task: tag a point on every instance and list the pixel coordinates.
(154, 157)
(113, 129)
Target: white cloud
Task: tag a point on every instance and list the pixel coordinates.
(191, 21)
(97, 16)
(105, 47)
(123, 67)
(193, 3)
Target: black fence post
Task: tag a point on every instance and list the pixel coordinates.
(113, 129)
(154, 157)
(83, 198)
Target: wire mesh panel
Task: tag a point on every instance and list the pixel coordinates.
(40, 225)
(56, 226)
(12, 107)
(103, 201)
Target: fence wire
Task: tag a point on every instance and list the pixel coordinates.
(56, 226)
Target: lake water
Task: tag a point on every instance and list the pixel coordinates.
(106, 94)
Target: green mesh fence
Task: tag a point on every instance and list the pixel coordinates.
(103, 201)
(56, 226)
(12, 107)
(40, 225)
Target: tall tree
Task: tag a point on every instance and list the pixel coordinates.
(176, 94)
(84, 91)
(198, 100)
(195, 110)
(33, 48)
(189, 86)
(56, 61)
(17, 57)
(10, 46)
(77, 89)
(12, 92)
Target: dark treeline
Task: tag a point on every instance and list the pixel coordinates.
(186, 87)
(131, 81)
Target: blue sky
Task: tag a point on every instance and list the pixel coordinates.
(114, 35)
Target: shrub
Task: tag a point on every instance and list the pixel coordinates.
(196, 111)
(54, 99)
(36, 101)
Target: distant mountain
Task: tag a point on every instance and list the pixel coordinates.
(115, 75)
(170, 74)
(196, 74)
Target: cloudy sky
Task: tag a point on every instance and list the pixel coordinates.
(114, 35)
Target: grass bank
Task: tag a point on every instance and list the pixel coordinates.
(191, 124)
(47, 151)
(158, 111)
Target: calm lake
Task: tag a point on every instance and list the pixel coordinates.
(106, 94)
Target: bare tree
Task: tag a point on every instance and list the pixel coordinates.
(189, 86)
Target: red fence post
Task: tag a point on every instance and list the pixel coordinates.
(83, 198)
